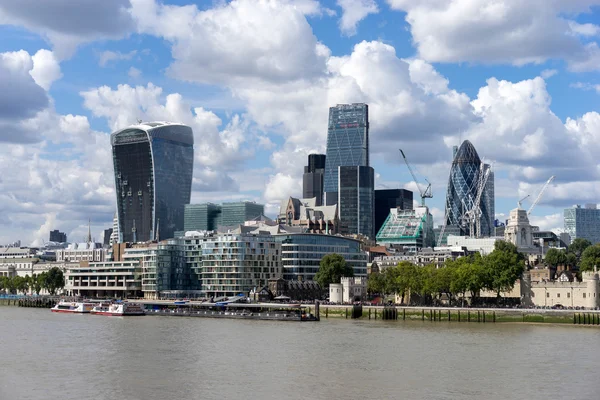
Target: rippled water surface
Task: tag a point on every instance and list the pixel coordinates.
(60, 356)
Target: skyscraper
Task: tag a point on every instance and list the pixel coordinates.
(153, 164)
(347, 144)
(462, 190)
(58, 236)
(201, 217)
(236, 213)
(386, 199)
(356, 200)
(312, 180)
(583, 222)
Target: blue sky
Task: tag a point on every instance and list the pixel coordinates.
(254, 78)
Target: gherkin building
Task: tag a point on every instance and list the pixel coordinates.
(462, 190)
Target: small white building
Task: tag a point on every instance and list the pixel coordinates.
(349, 290)
(76, 252)
(482, 245)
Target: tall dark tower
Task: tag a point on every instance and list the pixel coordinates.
(312, 180)
(347, 144)
(153, 164)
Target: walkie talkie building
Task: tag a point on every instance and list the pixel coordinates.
(153, 165)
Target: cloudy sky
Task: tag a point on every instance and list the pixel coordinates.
(255, 78)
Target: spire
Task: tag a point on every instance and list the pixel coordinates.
(89, 237)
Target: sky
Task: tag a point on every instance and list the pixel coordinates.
(255, 79)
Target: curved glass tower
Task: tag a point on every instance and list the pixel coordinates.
(153, 164)
(462, 190)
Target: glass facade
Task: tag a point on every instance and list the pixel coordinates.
(413, 229)
(583, 223)
(356, 200)
(347, 143)
(234, 214)
(312, 180)
(302, 253)
(238, 263)
(387, 199)
(153, 165)
(462, 191)
(201, 217)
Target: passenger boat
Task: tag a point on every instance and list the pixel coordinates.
(118, 309)
(72, 307)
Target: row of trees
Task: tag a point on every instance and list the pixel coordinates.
(579, 253)
(496, 272)
(51, 281)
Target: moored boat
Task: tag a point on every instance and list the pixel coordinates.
(72, 307)
(118, 309)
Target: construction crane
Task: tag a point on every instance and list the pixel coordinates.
(539, 196)
(521, 201)
(425, 194)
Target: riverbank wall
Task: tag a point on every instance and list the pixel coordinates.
(465, 315)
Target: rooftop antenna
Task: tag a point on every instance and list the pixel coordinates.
(157, 238)
(139, 121)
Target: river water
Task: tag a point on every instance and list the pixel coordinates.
(44, 355)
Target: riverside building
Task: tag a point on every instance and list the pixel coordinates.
(153, 164)
(301, 254)
(236, 263)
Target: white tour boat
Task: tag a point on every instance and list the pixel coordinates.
(72, 307)
(118, 309)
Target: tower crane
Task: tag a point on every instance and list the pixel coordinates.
(521, 201)
(539, 196)
(425, 194)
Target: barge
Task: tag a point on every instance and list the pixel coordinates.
(258, 311)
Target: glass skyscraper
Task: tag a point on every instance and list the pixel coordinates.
(583, 222)
(462, 191)
(312, 180)
(347, 144)
(356, 200)
(153, 165)
(236, 213)
(201, 217)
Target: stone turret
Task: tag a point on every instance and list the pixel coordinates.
(518, 229)
(592, 286)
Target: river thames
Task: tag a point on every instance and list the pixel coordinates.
(45, 355)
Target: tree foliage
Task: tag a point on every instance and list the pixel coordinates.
(470, 274)
(331, 269)
(556, 257)
(54, 280)
(590, 258)
(578, 246)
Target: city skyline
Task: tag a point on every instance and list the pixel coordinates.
(258, 112)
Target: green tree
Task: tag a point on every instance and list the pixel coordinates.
(55, 280)
(571, 259)
(469, 275)
(376, 283)
(37, 282)
(590, 258)
(331, 269)
(555, 257)
(20, 284)
(503, 267)
(578, 246)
